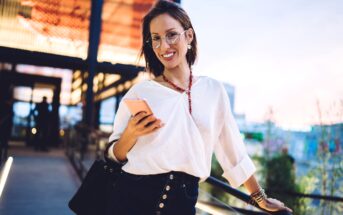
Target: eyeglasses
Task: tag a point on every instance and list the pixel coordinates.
(171, 39)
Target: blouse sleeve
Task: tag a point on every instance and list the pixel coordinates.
(230, 150)
(121, 120)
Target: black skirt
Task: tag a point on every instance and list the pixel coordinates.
(173, 193)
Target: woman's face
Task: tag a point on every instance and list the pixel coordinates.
(169, 40)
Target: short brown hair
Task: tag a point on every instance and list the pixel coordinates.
(152, 63)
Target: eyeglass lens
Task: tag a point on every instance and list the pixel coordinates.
(171, 39)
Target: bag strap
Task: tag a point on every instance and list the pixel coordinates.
(106, 150)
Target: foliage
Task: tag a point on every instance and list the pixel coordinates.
(279, 174)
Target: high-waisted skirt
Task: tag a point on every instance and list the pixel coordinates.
(173, 193)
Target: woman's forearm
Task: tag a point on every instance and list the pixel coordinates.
(255, 189)
(124, 145)
(252, 185)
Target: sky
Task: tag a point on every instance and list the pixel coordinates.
(280, 54)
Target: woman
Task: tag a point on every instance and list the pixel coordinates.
(169, 152)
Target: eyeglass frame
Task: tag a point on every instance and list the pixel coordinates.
(149, 41)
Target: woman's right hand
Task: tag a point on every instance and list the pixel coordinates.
(138, 125)
(142, 124)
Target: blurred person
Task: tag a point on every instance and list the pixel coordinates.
(42, 115)
(166, 154)
(285, 152)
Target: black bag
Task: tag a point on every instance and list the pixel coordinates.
(91, 197)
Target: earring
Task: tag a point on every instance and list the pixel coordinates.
(189, 46)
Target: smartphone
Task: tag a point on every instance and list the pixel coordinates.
(137, 105)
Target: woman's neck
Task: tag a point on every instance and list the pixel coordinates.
(178, 75)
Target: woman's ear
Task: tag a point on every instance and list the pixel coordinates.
(189, 35)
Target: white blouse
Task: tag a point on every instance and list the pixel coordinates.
(186, 142)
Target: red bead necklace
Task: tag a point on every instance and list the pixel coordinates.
(188, 91)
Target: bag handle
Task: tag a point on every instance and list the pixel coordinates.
(105, 154)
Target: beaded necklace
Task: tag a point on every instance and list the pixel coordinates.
(188, 91)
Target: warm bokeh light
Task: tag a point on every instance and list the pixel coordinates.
(62, 133)
(61, 27)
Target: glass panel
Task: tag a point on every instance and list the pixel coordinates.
(70, 115)
(107, 111)
(65, 74)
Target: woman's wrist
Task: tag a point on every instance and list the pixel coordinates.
(124, 145)
(259, 196)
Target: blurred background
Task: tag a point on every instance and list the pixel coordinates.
(281, 63)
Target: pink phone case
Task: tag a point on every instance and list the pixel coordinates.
(137, 105)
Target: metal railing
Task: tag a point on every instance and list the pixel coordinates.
(304, 195)
(240, 195)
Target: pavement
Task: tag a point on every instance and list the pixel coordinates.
(39, 183)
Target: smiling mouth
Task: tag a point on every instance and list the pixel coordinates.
(169, 55)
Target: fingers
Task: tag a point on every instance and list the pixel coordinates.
(154, 126)
(278, 202)
(151, 127)
(143, 123)
(288, 209)
(147, 121)
(284, 208)
(276, 205)
(138, 117)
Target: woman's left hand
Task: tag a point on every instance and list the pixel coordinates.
(271, 204)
